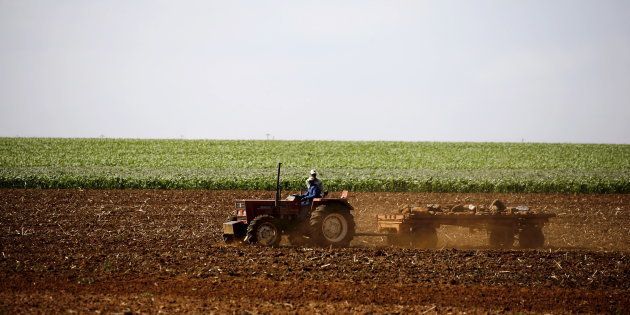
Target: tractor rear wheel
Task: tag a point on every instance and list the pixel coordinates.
(263, 230)
(331, 226)
(531, 237)
(501, 237)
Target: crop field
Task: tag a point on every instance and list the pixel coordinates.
(356, 166)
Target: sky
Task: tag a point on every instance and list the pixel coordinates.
(497, 71)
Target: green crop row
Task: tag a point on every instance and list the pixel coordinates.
(366, 166)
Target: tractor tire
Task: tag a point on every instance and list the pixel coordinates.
(425, 238)
(501, 237)
(264, 230)
(331, 226)
(531, 237)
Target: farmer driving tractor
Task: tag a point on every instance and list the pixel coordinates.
(312, 192)
(315, 190)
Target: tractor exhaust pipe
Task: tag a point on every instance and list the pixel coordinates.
(278, 187)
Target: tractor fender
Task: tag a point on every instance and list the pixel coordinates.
(342, 203)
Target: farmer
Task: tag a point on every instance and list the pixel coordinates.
(307, 199)
(313, 192)
(314, 180)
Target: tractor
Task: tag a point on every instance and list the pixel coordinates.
(323, 222)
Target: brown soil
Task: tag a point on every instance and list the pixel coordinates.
(154, 250)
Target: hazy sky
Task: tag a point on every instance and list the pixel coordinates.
(543, 71)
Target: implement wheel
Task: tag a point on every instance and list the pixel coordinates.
(264, 231)
(425, 237)
(531, 237)
(400, 240)
(331, 226)
(420, 237)
(501, 237)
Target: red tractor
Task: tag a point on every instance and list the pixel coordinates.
(324, 222)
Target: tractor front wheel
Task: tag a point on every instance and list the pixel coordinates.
(263, 230)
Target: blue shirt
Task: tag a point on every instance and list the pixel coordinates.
(313, 192)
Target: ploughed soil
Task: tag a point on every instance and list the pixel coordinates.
(150, 251)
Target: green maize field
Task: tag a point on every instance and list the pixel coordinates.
(365, 166)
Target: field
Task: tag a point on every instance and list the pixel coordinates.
(356, 166)
(150, 251)
(134, 226)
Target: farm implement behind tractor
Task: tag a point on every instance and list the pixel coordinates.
(417, 226)
(329, 222)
